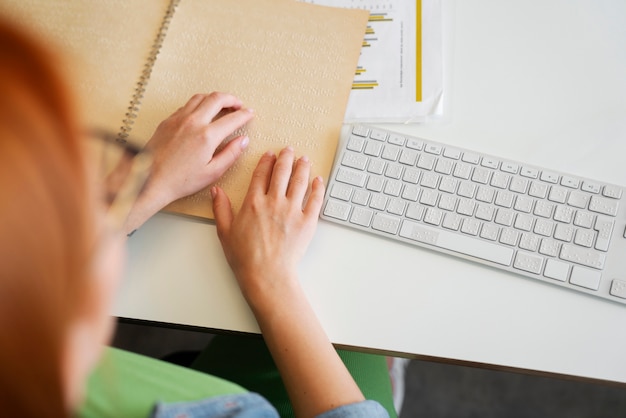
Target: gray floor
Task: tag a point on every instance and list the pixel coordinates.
(438, 390)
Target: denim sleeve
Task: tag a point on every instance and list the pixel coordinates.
(363, 409)
(246, 405)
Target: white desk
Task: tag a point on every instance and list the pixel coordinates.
(537, 81)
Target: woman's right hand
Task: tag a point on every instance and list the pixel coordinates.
(265, 241)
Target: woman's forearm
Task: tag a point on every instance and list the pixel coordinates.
(315, 377)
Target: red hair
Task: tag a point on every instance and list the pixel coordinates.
(45, 228)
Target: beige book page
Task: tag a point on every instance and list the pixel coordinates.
(104, 46)
(293, 63)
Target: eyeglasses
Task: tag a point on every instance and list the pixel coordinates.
(122, 168)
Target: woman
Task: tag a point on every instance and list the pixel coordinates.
(62, 242)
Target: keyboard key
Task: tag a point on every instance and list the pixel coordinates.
(524, 222)
(378, 202)
(614, 192)
(337, 210)
(444, 166)
(341, 191)
(584, 237)
(415, 211)
(564, 214)
(361, 197)
(538, 189)
(470, 226)
(543, 227)
(411, 192)
(470, 157)
(396, 207)
(448, 202)
(582, 256)
(556, 270)
(570, 182)
(375, 183)
(393, 188)
(451, 241)
(433, 149)
(360, 130)
(578, 200)
(348, 176)
(415, 144)
(452, 153)
(393, 171)
(558, 194)
(509, 167)
(448, 184)
(384, 223)
(485, 194)
(504, 217)
(466, 207)
(500, 180)
(618, 288)
(373, 148)
(529, 242)
(504, 199)
(376, 166)
(411, 176)
(549, 177)
(396, 139)
(467, 189)
(356, 143)
(452, 221)
(408, 157)
(378, 135)
(490, 232)
(361, 216)
(564, 232)
(549, 247)
(519, 185)
(604, 226)
(481, 175)
(543, 209)
(603, 205)
(429, 197)
(391, 152)
(354, 160)
(509, 236)
(426, 161)
(584, 219)
(528, 262)
(529, 172)
(430, 180)
(462, 171)
(591, 187)
(583, 277)
(433, 216)
(490, 162)
(523, 204)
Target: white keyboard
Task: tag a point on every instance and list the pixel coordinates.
(550, 226)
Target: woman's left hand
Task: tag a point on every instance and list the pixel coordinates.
(184, 151)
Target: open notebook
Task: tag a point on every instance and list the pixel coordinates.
(133, 63)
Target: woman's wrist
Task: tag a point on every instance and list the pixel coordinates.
(147, 204)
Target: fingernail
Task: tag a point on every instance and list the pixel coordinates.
(213, 192)
(304, 159)
(249, 110)
(288, 148)
(269, 153)
(244, 142)
(320, 179)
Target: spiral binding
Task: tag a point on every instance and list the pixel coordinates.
(135, 102)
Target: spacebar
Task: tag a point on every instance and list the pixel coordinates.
(467, 245)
